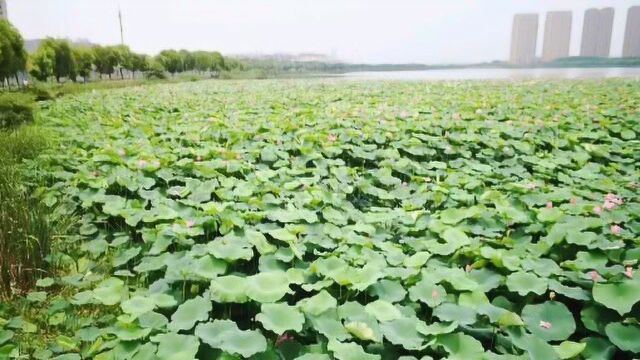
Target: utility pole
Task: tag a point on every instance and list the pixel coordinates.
(121, 30)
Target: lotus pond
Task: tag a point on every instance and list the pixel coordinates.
(319, 220)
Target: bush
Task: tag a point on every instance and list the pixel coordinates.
(40, 93)
(16, 109)
(156, 71)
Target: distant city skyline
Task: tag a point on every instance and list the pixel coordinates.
(370, 31)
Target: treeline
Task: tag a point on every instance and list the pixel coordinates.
(58, 59)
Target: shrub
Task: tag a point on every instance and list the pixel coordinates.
(16, 109)
(40, 93)
(156, 71)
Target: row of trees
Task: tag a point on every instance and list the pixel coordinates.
(58, 59)
(13, 56)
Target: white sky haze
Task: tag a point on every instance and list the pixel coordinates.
(372, 31)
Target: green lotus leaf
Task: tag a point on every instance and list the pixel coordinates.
(44, 282)
(280, 317)
(349, 351)
(152, 320)
(176, 347)
(452, 312)
(536, 348)
(436, 328)
(549, 214)
(229, 289)
(388, 290)
(209, 267)
(190, 312)
(318, 303)
(5, 335)
(428, 293)
(138, 305)
(569, 349)
(267, 287)
(230, 250)
(568, 291)
(598, 348)
(624, 336)
(282, 234)
(129, 332)
(327, 324)
(163, 300)
(551, 321)
(524, 283)
(452, 216)
(360, 330)
(618, 296)
(403, 332)
(461, 346)
(225, 335)
(110, 291)
(313, 356)
(382, 310)
(417, 260)
(596, 317)
(455, 237)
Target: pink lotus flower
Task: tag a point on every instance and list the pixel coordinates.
(435, 294)
(332, 137)
(545, 324)
(609, 205)
(597, 210)
(613, 198)
(594, 275)
(142, 163)
(616, 229)
(531, 186)
(549, 205)
(573, 201)
(190, 223)
(283, 338)
(628, 272)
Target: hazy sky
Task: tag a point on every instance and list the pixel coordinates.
(374, 31)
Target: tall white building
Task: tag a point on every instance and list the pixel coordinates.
(557, 35)
(596, 32)
(523, 39)
(3, 9)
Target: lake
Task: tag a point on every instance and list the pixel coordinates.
(496, 74)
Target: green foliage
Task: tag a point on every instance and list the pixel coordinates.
(84, 61)
(16, 109)
(26, 229)
(13, 56)
(346, 220)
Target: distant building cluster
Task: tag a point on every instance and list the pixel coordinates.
(596, 35)
(3, 9)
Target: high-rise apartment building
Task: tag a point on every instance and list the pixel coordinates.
(596, 32)
(524, 36)
(557, 35)
(631, 46)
